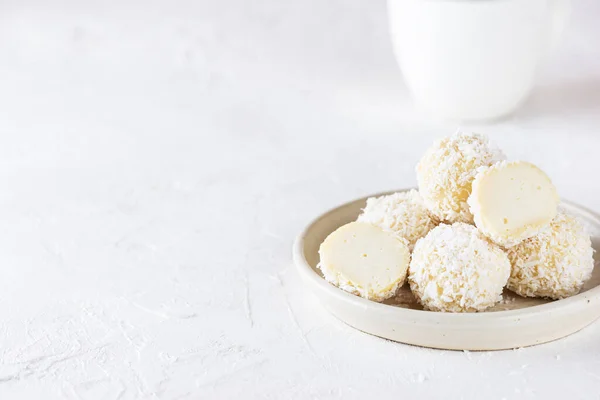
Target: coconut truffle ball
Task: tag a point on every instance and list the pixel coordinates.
(456, 269)
(446, 172)
(512, 201)
(364, 260)
(403, 213)
(555, 263)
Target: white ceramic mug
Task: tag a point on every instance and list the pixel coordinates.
(473, 59)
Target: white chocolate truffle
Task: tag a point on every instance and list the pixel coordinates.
(446, 171)
(512, 201)
(403, 213)
(456, 269)
(365, 260)
(555, 263)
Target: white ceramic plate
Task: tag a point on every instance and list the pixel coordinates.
(516, 322)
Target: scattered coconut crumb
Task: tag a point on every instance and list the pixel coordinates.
(506, 300)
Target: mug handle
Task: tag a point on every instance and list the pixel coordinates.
(560, 12)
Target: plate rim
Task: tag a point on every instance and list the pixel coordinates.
(558, 306)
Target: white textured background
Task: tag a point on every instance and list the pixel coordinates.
(157, 159)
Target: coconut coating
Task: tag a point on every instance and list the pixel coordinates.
(403, 213)
(553, 264)
(446, 171)
(456, 269)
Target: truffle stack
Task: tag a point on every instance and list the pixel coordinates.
(477, 224)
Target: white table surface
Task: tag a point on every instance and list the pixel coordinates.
(157, 160)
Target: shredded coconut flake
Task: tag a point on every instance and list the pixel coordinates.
(456, 269)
